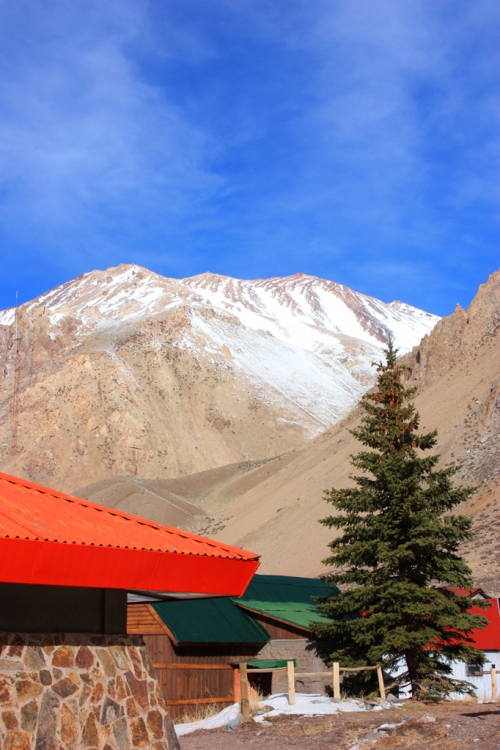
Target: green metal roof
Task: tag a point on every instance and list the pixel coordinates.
(267, 663)
(210, 621)
(286, 598)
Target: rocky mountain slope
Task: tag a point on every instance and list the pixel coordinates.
(273, 506)
(125, 372)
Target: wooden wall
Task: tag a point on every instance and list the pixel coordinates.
(189, 676)
(142, 620)
(279, 630)
(193, 675)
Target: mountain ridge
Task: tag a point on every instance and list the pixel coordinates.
(127, 372)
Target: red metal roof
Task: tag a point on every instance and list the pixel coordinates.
(49, 537)
(471, 592)
(488, 639)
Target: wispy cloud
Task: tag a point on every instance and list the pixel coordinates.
(87, 144)
(399, 142)
(350, 139)
(402, 119)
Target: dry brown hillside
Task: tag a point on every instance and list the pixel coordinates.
(192, 502)
(457, 370)
(131, 400)
(273, 506)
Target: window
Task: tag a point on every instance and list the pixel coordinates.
(473, 669)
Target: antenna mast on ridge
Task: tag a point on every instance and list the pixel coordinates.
(15, 397)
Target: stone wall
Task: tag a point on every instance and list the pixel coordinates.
(72, 691)
(307, 659)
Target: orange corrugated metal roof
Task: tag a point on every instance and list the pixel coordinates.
(32, 513)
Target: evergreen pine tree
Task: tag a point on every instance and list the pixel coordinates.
(399, 550)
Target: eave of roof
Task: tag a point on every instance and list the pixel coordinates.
(209, 621)
(276, 588)
(292, 613)
(472, 593)
(49, 537)
(287, 599)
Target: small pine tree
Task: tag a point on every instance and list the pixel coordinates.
(398, 552)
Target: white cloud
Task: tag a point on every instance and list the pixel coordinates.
(84, 137)
(249, 137)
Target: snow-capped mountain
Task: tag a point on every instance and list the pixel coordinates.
(300, 309)
(170, 376)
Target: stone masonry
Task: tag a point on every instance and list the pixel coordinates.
(307, 659)
(72, 691)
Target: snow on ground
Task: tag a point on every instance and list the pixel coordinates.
(309, 705)
(214, 722)
(7, 317)
(276, 705)
(305, 705)
(299, 310)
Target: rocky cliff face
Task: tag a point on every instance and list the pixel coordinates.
(459, 364)
(124, 372)
(457, 340)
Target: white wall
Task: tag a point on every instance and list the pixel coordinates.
(482, 684)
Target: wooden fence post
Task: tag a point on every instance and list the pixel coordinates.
(291, 682)
(336, 680)
(245, 703)
(236, 685)
(381, 682)
(494, 693)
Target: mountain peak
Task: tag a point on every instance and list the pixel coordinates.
(152, 376)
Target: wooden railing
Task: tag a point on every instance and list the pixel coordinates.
(244, 689)
(291, 675)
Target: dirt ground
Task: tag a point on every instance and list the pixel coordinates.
(456, 726)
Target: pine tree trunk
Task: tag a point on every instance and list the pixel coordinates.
(411, 662)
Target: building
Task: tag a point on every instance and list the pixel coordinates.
(70, 675)
(486, 640)
(195, 646)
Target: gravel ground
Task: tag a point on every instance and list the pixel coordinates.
(452, 726)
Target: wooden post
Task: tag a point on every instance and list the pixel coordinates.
(381, 682)
(290, 669)
(245, 703)
(236, 685)
(336, 680)
(494, 693)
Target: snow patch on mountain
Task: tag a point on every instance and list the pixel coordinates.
(301, 310)
(303, 343)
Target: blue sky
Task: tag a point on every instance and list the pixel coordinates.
(357, 140)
